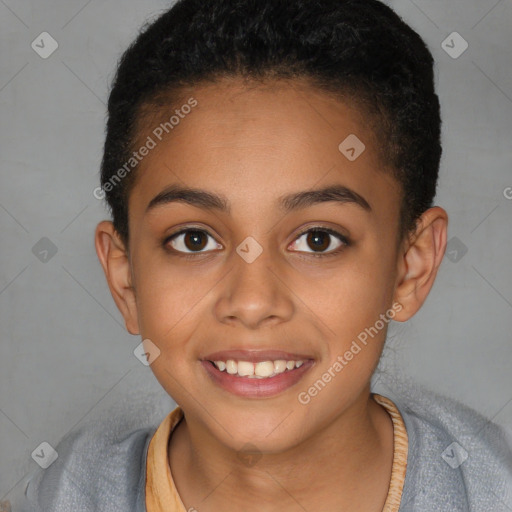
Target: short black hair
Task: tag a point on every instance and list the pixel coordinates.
(359, 49)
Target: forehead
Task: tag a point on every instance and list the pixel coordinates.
(252, 142)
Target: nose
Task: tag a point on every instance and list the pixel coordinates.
(254, 293)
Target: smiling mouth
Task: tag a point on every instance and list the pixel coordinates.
(258, 370)
(255, 373)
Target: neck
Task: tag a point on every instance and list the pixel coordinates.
(346, 465)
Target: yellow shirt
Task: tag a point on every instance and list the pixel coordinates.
(161, 493)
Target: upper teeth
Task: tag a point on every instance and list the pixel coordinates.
(262, 369)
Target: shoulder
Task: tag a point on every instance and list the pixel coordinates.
(101, 466)
(458, 459)
(95, 471)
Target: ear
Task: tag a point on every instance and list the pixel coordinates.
(419, 260)
(113, 256)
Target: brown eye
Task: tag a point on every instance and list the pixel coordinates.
(192, 240)
(318, 240)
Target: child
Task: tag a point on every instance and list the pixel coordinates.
(271, 167)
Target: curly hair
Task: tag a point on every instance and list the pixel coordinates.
(360, 49)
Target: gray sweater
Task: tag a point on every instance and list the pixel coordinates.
(457, 461)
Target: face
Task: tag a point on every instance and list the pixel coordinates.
(263, 272)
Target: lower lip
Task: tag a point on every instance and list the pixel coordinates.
(256, 388)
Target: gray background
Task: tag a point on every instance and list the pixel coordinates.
(64, 353)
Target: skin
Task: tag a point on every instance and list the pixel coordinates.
(253, 145)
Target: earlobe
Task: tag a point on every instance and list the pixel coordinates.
(419, 262)
(113, 256)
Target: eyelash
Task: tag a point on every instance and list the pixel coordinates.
(342, 238)
(345, 242)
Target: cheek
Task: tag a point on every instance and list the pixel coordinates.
(169, 302)
(166, 297)
(351, 303)
(349, 296)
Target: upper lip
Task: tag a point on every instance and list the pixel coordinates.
(255, 356)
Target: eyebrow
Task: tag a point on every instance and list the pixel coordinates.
(290, 202)
(336, 193)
